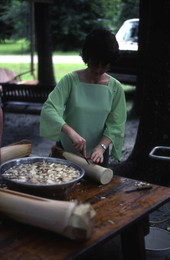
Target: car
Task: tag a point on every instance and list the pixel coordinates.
(127, 35)
(126, 67)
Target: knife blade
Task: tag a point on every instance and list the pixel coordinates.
(87, 160)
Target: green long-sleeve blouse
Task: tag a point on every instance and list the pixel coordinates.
(92, 110)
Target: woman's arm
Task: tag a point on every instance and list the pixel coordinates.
(78, 142)
(115, 123)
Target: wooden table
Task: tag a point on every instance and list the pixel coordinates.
(118, 212)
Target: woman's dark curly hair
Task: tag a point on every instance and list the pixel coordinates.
(100, 46)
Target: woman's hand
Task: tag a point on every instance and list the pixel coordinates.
(97, 154)
(78, 142)
(98, 151)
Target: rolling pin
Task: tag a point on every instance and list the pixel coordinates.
(15, 151)
(67, 218)
(96, 172)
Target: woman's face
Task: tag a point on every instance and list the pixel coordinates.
(97, 69)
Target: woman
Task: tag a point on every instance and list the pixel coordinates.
(86, 111)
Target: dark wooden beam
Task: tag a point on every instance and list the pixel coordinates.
(40, 1)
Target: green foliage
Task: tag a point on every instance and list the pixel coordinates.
(71, 20)
(128, 9)
(110, 10)
(15, 17)
(6, 27)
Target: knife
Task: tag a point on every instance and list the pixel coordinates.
(87, 160)
(139, 188)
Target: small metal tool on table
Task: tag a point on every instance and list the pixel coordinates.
(147, 187)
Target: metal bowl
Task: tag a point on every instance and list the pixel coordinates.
(47, 190)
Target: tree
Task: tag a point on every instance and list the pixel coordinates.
(72, 20)
(154, 87)
(5, 25)
(127, 9)
(15, 19)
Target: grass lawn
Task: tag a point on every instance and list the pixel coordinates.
(21, 47)
(59, 69)
(10, 47)
(64, 68)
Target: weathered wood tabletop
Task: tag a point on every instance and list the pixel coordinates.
(118, 212)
